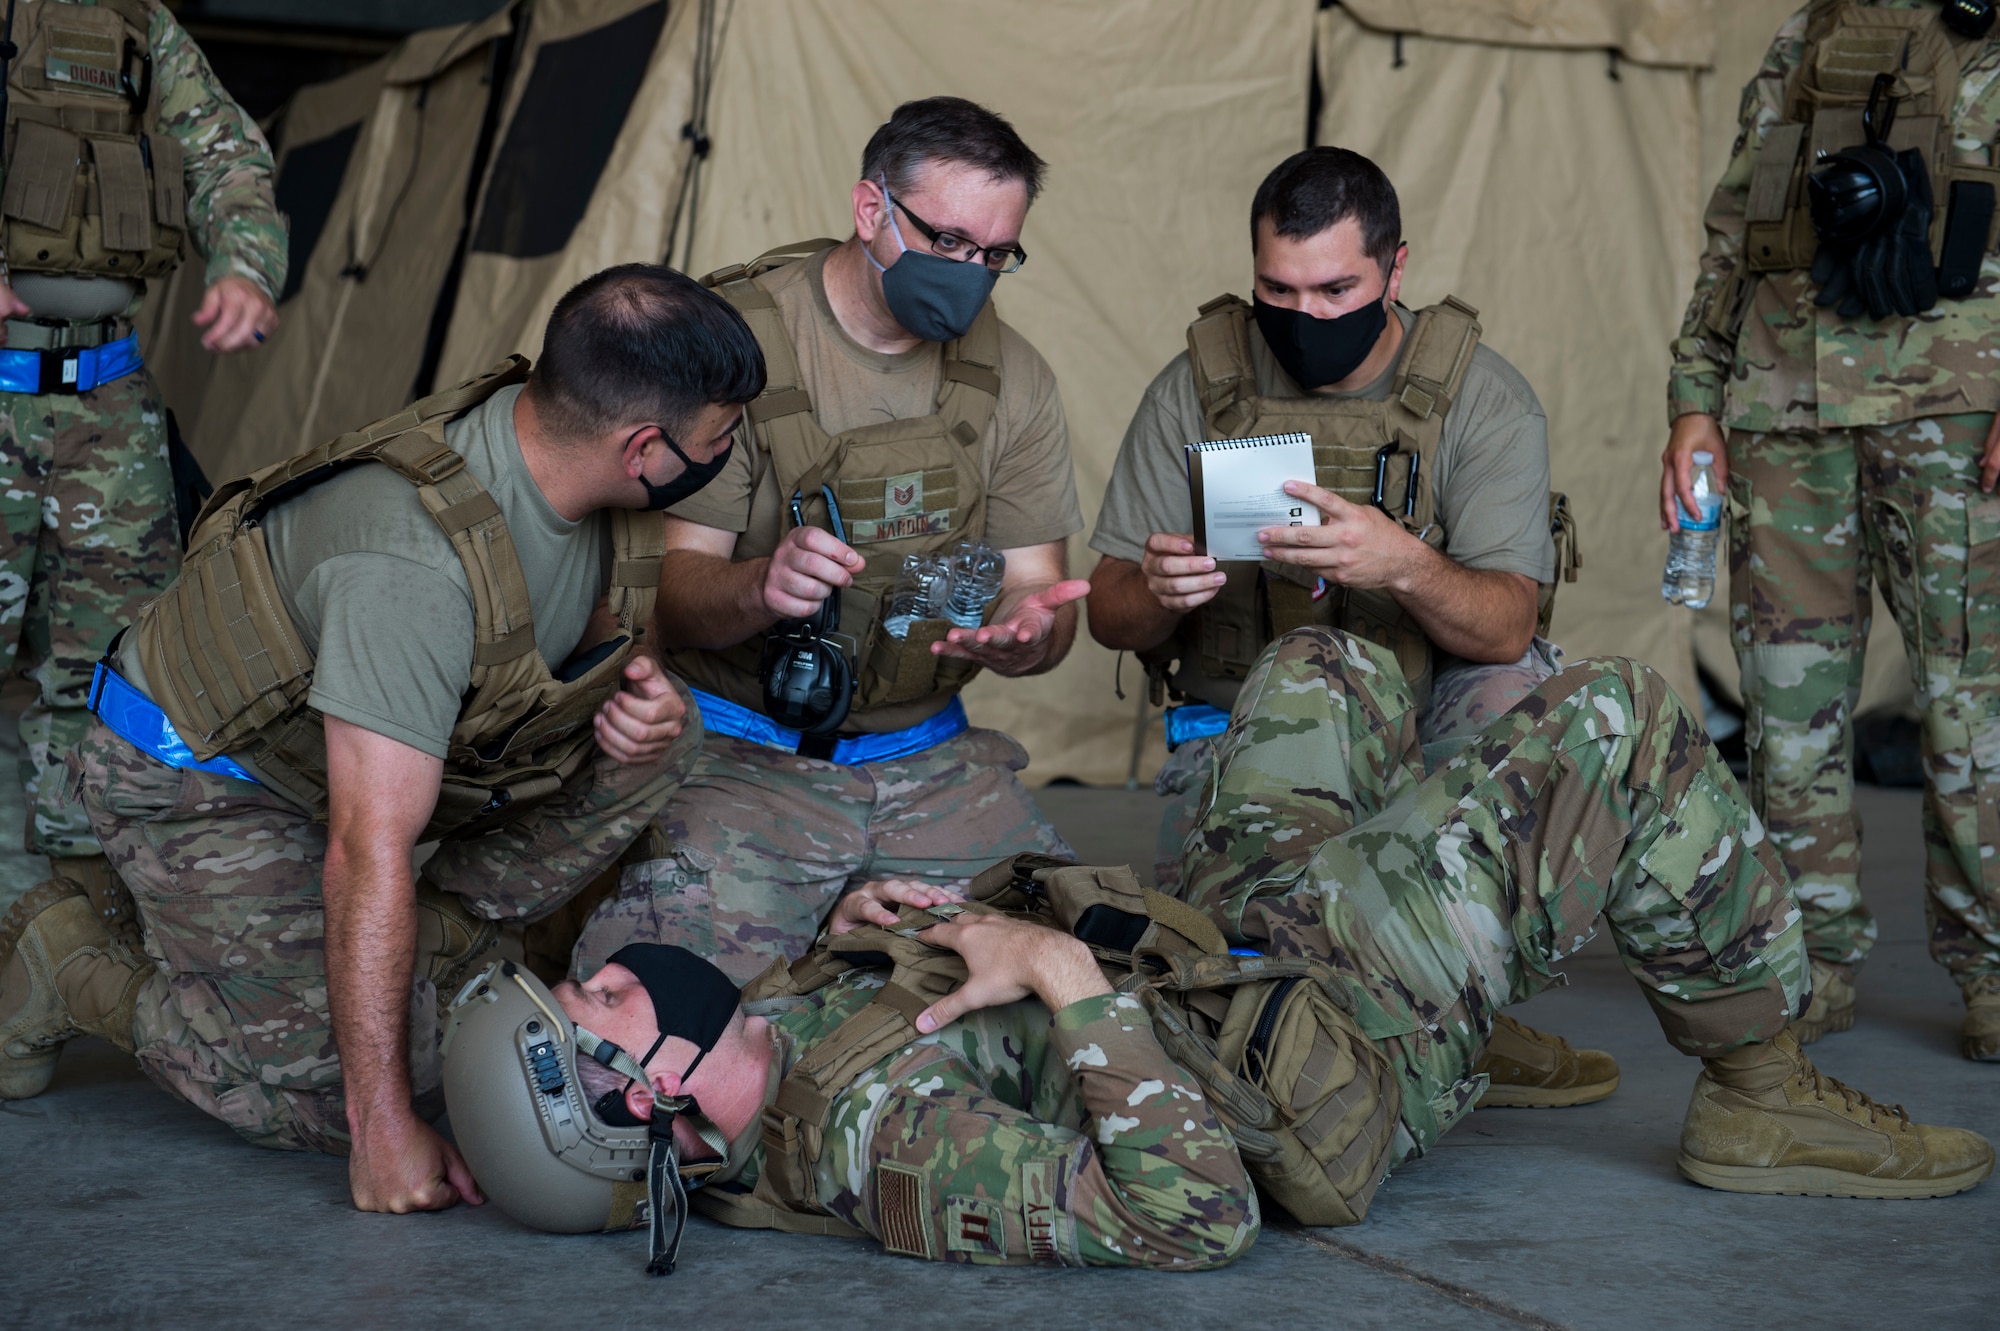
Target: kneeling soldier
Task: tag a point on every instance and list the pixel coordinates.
(432, 628)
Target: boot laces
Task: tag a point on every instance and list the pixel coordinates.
(1826, 1088)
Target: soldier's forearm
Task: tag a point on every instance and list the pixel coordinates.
(709, 602)
(368, 891)
(1479, 614)
(1124, 614)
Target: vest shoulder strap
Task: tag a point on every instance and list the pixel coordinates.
(785, 424)
(1434, 364)
(1219, 354)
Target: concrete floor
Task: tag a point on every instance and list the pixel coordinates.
(123, 1207)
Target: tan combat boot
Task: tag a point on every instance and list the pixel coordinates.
(1531, 1069)
(1763, 1119)
(62, 974)
(1832, 1006)
(1982, 1019)
(93, 873)
(449, 939)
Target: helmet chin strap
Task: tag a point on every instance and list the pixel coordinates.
(666, 1186)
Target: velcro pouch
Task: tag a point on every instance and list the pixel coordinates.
(41, 180)
(169, 181)
(1968, 227)
(125, 193)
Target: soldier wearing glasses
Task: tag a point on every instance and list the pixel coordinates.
(902, 418)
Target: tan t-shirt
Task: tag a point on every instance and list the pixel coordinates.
(1024, 456)
(1489, 484)
(381, 599)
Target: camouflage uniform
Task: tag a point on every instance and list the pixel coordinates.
(86, 496)
(1014, 1137)
(1444, 899)
(1853, 453)
(226, 875)
(764, 842)
(1465, 699)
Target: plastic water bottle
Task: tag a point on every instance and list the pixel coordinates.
(976, 570)
(1689, 579)
(923, 586)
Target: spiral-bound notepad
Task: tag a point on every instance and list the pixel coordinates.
(1238, 488)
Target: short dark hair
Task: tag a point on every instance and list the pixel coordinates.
(641, 344)
(1322, 187)
(949, 129)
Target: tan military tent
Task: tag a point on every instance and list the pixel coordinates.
(1553, 158)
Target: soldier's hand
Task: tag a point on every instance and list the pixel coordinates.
(1017, 643)
(874, 902)
(803, 571)
(1008, 959)
(11, 307)
(1355, 545)
(1692, 433)
(1989, 457)
(637, 723)
(236, 313)
(401, 1165)
(1179, 579)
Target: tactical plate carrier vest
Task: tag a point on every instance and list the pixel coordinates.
(1847, 45)
(904, 487)
(1365, 452)
(94, 185)
(1272, 1041)
(224, 661)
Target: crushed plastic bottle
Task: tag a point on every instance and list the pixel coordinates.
(923, 588)
(976, 570)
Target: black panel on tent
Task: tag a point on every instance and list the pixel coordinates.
(307, 186)
(564, 127)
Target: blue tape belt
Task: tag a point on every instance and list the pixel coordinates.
(728, 718)
(137, 720)
(70, 369)
(1192, 721)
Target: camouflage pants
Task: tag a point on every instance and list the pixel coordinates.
(1934, 543)
(766, 841)
(86, 503)
(1813, 518)
(1799, 612)
(1465, 699)
(1447, 898)
(226, 875)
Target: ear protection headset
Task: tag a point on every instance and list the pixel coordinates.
(808, 680)
(1969, 18)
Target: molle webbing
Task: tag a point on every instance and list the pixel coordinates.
(93, 183)
(224, 661)
(935, 457)
(1360, 449)
(1847, 45)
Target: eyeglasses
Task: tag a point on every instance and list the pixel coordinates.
(950, 245)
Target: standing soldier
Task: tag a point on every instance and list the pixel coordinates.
(902, 417)
(1841, 333)
(119, 142)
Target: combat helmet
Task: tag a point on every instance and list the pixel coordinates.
(540, 1151)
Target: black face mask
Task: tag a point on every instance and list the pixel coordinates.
(693, 477)
(1316, 352)
(695, 1001)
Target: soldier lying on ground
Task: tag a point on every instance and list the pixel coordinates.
(1436, 901)
(999, 1132)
